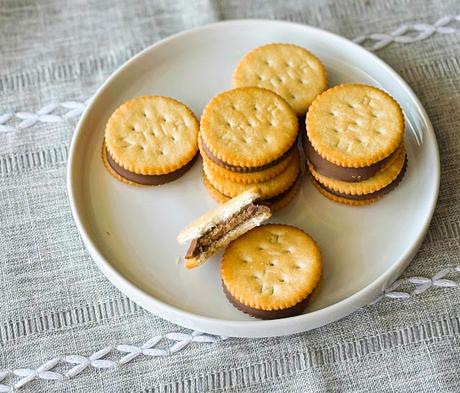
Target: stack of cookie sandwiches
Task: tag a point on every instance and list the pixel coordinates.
(150, 141)
(354, 144)
(248, 138)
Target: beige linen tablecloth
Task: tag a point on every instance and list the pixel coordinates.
(64, 327)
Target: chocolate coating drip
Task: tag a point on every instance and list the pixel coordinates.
(148, 180)
(267, 314)
(328, 169)
(244, 169)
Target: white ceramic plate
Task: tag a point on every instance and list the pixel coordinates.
(131, 231)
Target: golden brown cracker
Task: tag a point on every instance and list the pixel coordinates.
(152, 135)
(355, 125)
(272, 267)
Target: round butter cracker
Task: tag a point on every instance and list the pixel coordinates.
(289, 70)
(248, 127)
(152, 135)
(272, 267)
(354, 125)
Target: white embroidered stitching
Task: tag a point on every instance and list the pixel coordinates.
(407, 34)
(96, 360)
(50, 113)
(375, 41)
(182, 340)
(422, 284)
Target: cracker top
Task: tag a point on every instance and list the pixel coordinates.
(355, 125)
(248, 126)
(271, 267)
(289, 70)
(152, 135)
(210, 219)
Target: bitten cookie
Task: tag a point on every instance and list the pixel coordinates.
(289, 70)
(217, 228)
(151, 140)
(247, 129)
(271, 271)
(354, 125)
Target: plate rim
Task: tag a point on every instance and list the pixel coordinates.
(250, 328)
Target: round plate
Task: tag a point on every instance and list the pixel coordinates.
(131, 231)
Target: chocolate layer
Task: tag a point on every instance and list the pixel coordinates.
(201, 244)
(279, 197)
(328, 169)
(148, 180)
(266, 314)
(381, 192)
(244, 169)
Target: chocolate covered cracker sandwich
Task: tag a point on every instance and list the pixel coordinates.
(354, 144)
(217, 228)
(150, 141)
(248, 138)
(272, 271)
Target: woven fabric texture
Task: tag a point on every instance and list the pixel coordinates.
(55, 303)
